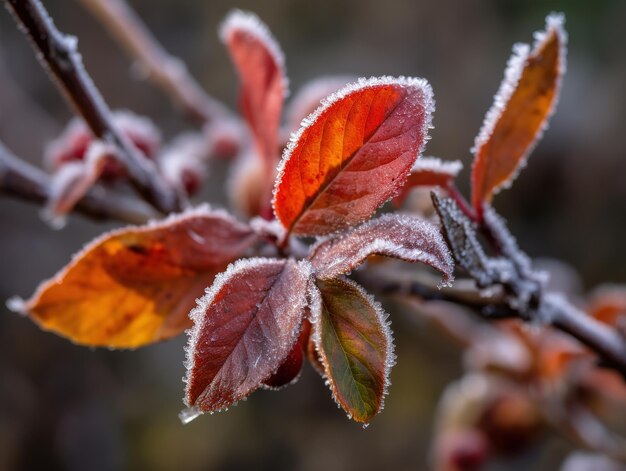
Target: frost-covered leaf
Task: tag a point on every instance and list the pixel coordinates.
(244, 328)
(408, 238)
(429, 172)
(260, 65)
(355, 346)
(461, 236)
(522, 106)
(135, 286)
(352, 154)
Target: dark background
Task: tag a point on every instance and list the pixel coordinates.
(63, 406)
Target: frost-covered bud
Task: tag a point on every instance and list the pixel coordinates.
(183, 163)
(72, 144)
(225, 138)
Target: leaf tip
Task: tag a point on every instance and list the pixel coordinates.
(17, 305)
(251, 25)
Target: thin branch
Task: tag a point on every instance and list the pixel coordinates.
(167, 71)
(554, 310)
(59, 55)
(21, 180)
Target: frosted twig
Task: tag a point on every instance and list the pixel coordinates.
(167, 71)
(59, 55)
(555, 310)
(24, 181)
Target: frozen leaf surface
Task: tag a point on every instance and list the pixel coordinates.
(355, 347)
(260, 65)
(136, 285)
(352, 154)
(405, 237)
(244, 329)
(522, 106)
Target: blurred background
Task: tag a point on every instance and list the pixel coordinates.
(67, 407)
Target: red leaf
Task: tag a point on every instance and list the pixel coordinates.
(352, 154)
(136, 285)
(408, 238)
(429, 172)
(244, 329)
(355, 347)
(522, 106)
(260, 65)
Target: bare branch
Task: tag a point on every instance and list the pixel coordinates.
(58, 54)
(24, 181)
(167, 71)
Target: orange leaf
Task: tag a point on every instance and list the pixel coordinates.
(260, 65)
(352, 154)
(522, 106)
(136, 285)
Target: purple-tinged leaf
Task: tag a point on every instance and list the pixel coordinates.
(408, 238)
(355, 346)
(244, 329)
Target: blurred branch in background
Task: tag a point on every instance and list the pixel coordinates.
(24, 181)
(167, 71)
(58, 54)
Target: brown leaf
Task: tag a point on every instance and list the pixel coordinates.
(522, 106)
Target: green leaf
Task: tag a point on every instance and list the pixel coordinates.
(355, 346)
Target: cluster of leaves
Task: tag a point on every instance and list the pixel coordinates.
(272, 298)
(260, 315)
